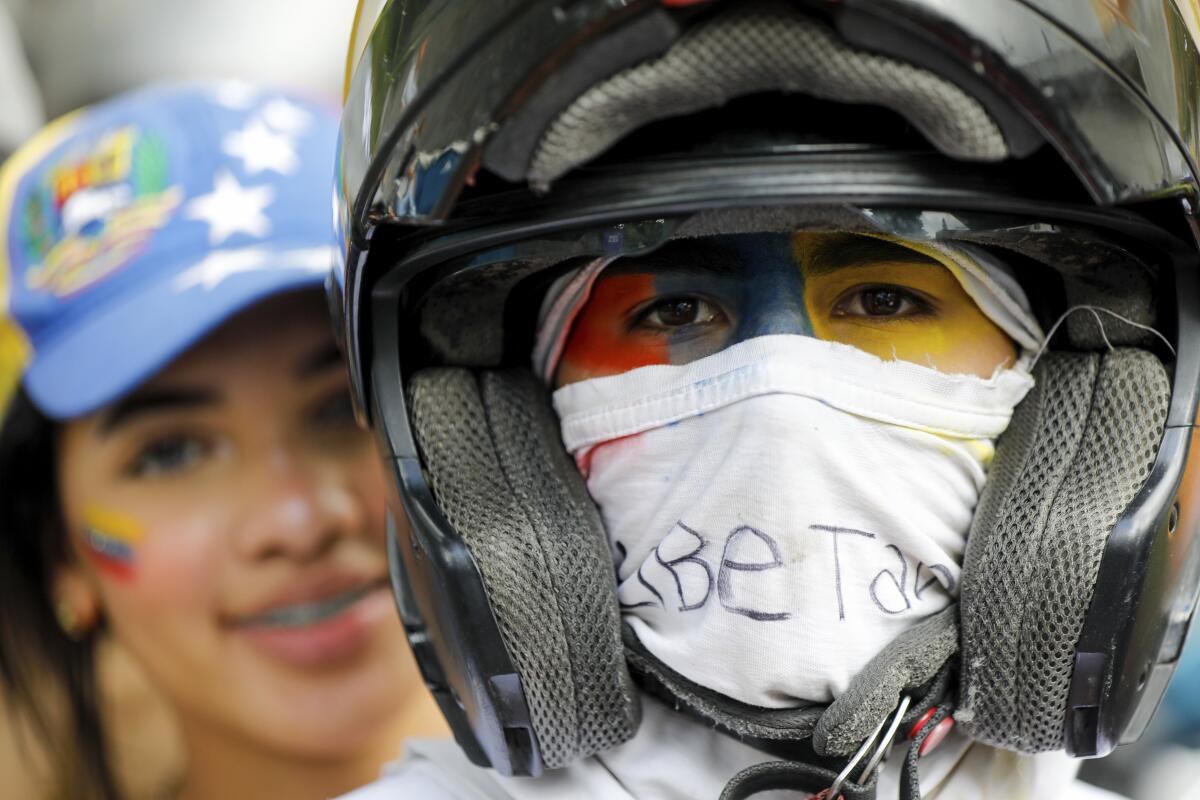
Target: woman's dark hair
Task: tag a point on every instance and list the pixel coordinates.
(33, 647)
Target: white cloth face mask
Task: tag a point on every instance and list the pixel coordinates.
(781, 510)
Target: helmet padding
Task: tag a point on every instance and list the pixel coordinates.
(1079, 447)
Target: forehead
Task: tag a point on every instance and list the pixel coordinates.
(816, 254)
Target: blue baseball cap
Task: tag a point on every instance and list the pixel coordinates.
(134, 227)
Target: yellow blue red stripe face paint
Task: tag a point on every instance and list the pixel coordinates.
(692, 298)
(685, 301)
(110, 541)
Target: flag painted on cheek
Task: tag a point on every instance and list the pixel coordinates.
(110, 541)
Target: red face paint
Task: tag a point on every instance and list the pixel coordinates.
(601, 341)
(109, 540)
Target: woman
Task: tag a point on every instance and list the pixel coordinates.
(180, 463)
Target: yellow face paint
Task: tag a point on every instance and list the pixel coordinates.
(109, 538)
(889, 298)
(945, 330)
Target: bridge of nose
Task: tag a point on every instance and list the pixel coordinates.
(772, 299)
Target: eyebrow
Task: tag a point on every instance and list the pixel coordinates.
(319, 360)
(843, 251)
(686, 256)
(155, 401)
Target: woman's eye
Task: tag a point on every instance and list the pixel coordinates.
(169, 455)
(335, 411)
(675, 312)
(881, 301)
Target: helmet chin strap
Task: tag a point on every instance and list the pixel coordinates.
(836, 747)
(799, 774)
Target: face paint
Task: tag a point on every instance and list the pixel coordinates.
(600, 342)
(940, 326)
(694, 298)
(750, 281)
(109, 540)
(755, 280)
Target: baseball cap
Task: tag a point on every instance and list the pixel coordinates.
(134, 227)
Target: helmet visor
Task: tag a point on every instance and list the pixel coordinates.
(876, 278)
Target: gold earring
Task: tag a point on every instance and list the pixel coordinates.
(68, 620)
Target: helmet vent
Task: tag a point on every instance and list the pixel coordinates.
(755, 47)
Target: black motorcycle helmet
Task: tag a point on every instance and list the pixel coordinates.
(487, 145)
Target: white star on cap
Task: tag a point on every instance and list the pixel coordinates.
(232, 208)
(214, 268)
(237, 95)
(261, 148)
(219, 265)
(285, 116)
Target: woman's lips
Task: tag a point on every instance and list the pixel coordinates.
(320, 633)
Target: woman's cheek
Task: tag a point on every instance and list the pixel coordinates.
(172, 576)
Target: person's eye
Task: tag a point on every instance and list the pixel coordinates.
(169, 454)
(334, 412)
(677, 312)
(881, 302)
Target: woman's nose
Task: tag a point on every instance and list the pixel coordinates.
(300, 510)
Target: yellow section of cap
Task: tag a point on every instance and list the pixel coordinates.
(14, 355)
(15, 350)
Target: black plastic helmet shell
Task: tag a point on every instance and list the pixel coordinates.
(443, 89)
(1112, 86)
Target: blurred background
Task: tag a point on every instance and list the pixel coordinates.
(56, 55)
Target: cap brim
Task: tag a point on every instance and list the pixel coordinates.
(112, 352)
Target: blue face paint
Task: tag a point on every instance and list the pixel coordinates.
(773, 287)
(693, 298)
(756, 282)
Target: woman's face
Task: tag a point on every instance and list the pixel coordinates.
(229, 517)
(691, 299)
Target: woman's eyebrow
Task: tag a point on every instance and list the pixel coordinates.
(319, 360)
(155, 401)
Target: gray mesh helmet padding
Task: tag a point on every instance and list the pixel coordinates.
(495, 461)
(909, 660)
(758, 47)
(1078, 449)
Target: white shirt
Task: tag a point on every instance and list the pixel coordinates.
(674, 757)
